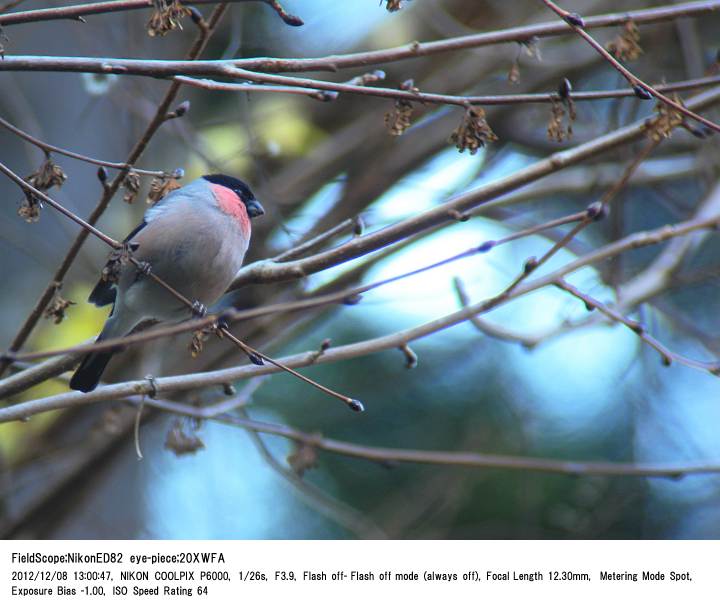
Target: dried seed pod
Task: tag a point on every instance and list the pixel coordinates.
(397, 120)
(30, 208)
(474, 132)
(3, 40)
(197, 343)
(131, 184)
(112, 268)
(160, 187)
(532, 47)
(626, 45)
(166, 17)
(182, 442)
(56, 308)
(393, 5)
(48, 175)
(303, 458)
(559, 129)
(666, 119)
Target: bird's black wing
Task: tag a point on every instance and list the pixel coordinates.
(103, 293)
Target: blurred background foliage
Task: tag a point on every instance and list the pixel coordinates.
(590, 394)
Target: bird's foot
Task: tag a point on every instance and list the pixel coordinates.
(152, 392)
(198, 309)
(144, 267)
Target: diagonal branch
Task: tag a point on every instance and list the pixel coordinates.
(161, 115)
(267, 271)
(577, 24)
(352, 350)
(48, 148)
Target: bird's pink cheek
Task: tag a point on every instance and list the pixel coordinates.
(231, 204)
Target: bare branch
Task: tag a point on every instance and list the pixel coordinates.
(353, 350)
(109, 190)
(47, 148)
(268, 271)
(95, 8)
(195, 73)
(421, 49)
(627, 74)
(457, 459)
(668, 356)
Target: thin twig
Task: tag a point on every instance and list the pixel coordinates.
(450, 458)
(634, 81)
(348, 295)
(335, 510)
(310, 244)
(95, 8)
(160, 117)
(435, 98)
(27, 187)
(353, 350)
(45, 147)
(417, 49)
(196, 73)
(668, 356)
(267, 271)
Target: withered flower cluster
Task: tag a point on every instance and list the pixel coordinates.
(48, 175)
(393, 5)
(397, 120)
(626, 45)
(57, 307)
(166, 17)
(160, 187)
(474, 132)
(559, 129)
(131, 184)
(183, 441)
(667, 118)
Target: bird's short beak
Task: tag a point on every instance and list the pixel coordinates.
(254, 208)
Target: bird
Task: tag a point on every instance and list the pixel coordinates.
(194, 239)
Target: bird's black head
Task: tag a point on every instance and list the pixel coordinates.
(242, 190)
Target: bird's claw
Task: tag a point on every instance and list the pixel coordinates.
(153, 386)
(144, 267)
(198, 309)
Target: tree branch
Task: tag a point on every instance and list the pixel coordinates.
(634, 81)
(48, 148)
(95, 8)
(450, 458)
(266, 271)
(353, 350)
(110, 189)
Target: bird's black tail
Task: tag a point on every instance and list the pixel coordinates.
(87, 376)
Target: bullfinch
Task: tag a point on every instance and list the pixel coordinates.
(194, 239)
